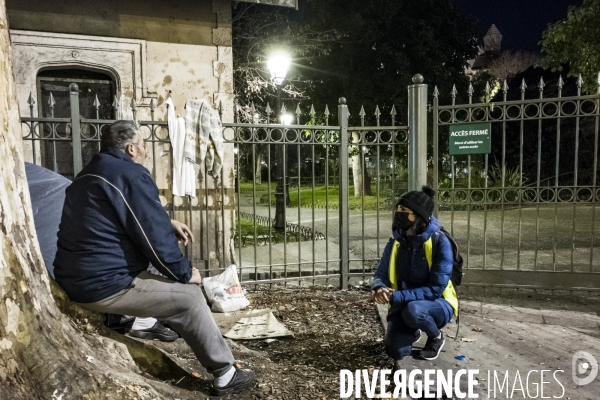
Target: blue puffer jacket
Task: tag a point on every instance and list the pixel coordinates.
(112, 227)
(414, 278)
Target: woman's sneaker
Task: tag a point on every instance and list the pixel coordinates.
(432, 348)
(243, 379)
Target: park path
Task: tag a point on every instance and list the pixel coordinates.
(545, 241)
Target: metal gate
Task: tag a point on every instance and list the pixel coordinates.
(298, 176)
(325, 233)
(314, 200)
(525, 214)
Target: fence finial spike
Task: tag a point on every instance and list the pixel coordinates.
(268, 110)
(436, 92)
(393, 113)
(283, 110)
(312, 112)
(115, 103)
(579, 81)
(152, 104)
(252, 109)
(561, 83)
(362, 112)
(96, 102)
(505, 86)
(51, 101)
(598, 78)
(541, 84)
(133, 104)
(327, 114)
(220, 107)
(523, 85)
(487, 88)
(453, 92)
(30, 100)
(298, 112)
(470, 89)
(377, 112)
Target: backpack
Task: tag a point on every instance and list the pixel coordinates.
(457, 273)
(457, 260)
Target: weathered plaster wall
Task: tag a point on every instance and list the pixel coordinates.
(153, 50)
(173, 21)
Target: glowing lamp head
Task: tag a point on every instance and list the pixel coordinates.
(278, 65)
(286, 119)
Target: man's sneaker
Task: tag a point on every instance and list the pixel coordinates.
(432, 348)
(243, 379)
(157, 332)
(417, 336)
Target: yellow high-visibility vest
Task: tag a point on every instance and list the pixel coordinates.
(449, 293)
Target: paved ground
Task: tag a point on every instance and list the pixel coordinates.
(516, 339)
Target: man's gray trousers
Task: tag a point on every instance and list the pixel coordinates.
(182, 306)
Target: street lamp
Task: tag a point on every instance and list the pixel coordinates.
(286, 119)
(278, 65)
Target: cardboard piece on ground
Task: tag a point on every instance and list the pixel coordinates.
(251, 324)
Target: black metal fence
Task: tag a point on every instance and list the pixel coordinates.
(327, 228)
(529, 207)
(312, 201)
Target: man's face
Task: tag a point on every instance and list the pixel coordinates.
(137, 151)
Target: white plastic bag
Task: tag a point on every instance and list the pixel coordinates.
(225, 292)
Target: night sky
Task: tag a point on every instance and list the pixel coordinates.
(521, 22)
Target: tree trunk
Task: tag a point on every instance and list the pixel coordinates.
(362, 180)
(357, 167)
(45, 354)
(367, 182)
(258, 170)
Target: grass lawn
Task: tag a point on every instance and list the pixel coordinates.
(324, 197)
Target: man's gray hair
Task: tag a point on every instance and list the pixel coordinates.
(118, 134)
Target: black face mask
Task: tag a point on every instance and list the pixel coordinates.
(401, 220)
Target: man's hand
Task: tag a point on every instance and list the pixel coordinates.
(183, 233)
(196, 278)
(382, 295)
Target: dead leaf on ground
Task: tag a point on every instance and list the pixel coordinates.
(475, 328)
(468, 340)
(196, 375)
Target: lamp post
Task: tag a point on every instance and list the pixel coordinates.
(278, 65)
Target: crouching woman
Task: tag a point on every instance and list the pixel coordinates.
(414, 278)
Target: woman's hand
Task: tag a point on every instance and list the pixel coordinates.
(382, 295)
(183, 233)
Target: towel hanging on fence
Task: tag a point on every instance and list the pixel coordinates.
(184, 175)
(203, 126)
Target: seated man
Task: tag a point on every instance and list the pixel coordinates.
(414, 278)
(112, 226)
(47, 191)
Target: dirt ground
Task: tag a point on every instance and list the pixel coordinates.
(333, 330)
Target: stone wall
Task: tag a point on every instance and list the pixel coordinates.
(153, 50)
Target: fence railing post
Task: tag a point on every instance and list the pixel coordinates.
(417, 133)
(436, 162)
(343, 195)
(75, 128)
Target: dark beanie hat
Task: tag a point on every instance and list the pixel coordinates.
(421, 202)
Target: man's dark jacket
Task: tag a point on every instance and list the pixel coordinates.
(112, 226)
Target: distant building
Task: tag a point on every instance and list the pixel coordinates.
(492, 46)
